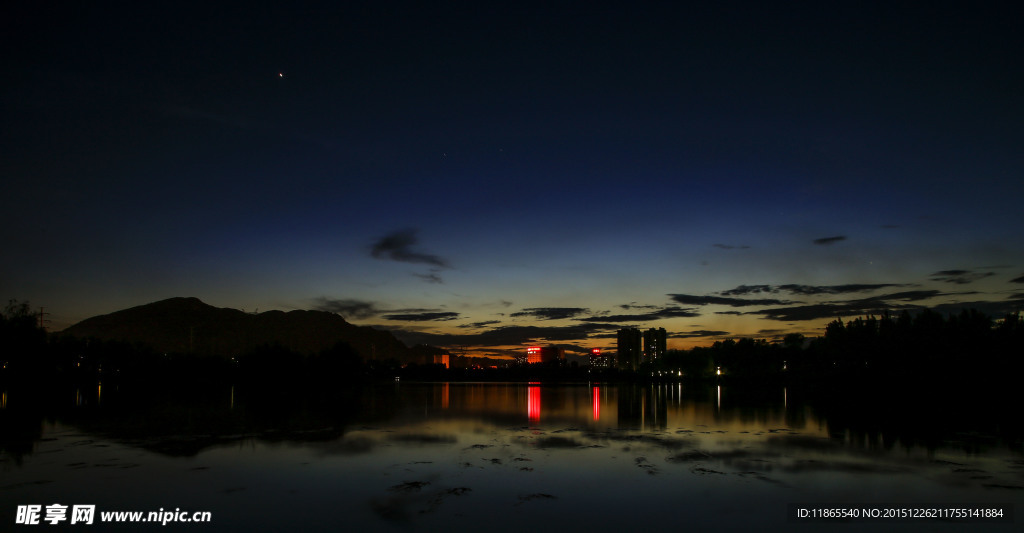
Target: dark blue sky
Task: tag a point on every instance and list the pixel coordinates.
(489, 176)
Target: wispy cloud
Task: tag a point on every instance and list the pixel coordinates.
(818, 311)
(689, 299)
(730, 246)
(551, 313)
(431, 277)
(699, 333)
(423, 317)
(665, 312)
(993, 309)
(633, 305)
(398, 246)
(841, 309)
(830, 240)
(477, 325)
(347, 308)
(1019, 279)
(959, 277)
(808, 290)
(506, 336)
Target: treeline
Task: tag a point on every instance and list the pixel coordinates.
(923, 347)
(926, 347)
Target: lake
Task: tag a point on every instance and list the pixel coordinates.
(504, 457)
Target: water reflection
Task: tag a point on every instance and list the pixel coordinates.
(433, 455)
(533, 403)
(143, 417)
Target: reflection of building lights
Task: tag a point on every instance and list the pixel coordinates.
(533, 402)
(597, 404)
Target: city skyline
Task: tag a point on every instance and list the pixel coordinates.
(497, 177)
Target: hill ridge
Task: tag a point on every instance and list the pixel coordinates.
(189, 325)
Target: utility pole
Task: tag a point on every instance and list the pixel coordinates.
(42, 318)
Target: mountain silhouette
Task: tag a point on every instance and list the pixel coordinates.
(188, 325)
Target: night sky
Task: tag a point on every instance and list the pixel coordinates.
(483, 178)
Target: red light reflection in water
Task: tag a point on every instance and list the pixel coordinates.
(533, 401)
(597, 404)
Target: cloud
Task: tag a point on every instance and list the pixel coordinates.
(1019, 279)
(633, 305)
(905, 296)
(505, 336)
(423, 317)
(830, 240)
(863, 306)
(959, 277)
(730, 246)
(551, 313)
(398, 246)
(818, 311)
(476, 325)
(807, 290)
(699, 333)
(689, 299)
(432, 277)
(666, 312)
(995, 310)
(743, 290)
(345, 307)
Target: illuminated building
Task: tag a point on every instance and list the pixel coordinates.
(629, 348)
(655, 344)
(548, 354)
(441, 359)
(597, 360)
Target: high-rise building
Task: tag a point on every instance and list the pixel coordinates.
(629, 348)
(655, 345)
(599, 360)
(552, 354)
(547, 354)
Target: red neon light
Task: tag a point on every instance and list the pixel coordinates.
(596, 351)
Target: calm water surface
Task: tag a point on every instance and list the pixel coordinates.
(494, 456)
